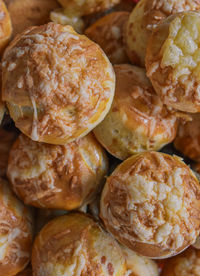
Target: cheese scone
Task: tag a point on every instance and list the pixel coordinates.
(16, 230)
(173, 61)
(59, 177)
(76, 245)
(5, 27)
(143, 20)
(27, 13)
(187, 140)
(150, 203)
(185, 264)
(137, 121)
(108, 33)
(57, 84)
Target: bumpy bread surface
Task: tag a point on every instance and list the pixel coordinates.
(138, 265)
(58, 85)
(187, 140)
(185, 264)
(52, 176)
(76, 245)
(15, 232)
(108, 33)
(151, 204)
(145, 17)
(137, 121)
(86, 7)
(173, 61)
(5, 27)
(26, 13)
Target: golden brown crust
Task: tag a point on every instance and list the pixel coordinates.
(137, 121)
(108, 33)
(76, 245)
(58, 85)
(144, 18)
(26, 13)
(60, 177)
(151, 204)
(185, 264)
(5, 27)
(15, 232)
(172, 61)
(187, 140)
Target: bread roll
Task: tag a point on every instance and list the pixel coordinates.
(76, 245)
(151, 204)
(173, 61)
(137, 121)
(56, 95)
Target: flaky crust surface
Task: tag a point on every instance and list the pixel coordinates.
(143, 20)
(58, 85)
(76, 245)
(137, 121)
(108, 33)
(60, 177)
(172, 61)
(151, 203)
(15, 232)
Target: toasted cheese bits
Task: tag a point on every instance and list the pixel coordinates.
(58, 85)
(150, 203)
(76, 245)
(137, 121)
(172, 61)
(16, 230)
(58, 177)
(144, 19)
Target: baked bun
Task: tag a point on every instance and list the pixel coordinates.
(27, 13)
(15, 232)
(25, 272)
(76, 245)
(56, 95)
(150, 203)
(187, 140)
(61, 177)
(143, 20)
(185, 264)
(108, 33)
(6, 140)
(6, 27)
(173, 61)
(137, 121)
(138, 265)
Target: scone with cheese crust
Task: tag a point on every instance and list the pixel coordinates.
(143, 20)
(16, 231)
(59, 177)
(185, 264)
(57, 84)
(137, 121)
(151, 204)
(173, 61)
(76, 245)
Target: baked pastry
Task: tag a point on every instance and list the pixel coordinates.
(108, 33)
(138, 265)
(151, 204)
(27, 13)
(15, 232)
(143, 20)
(25, 272)
(60, 177)
(6, 27)
(185, 264)
(187, 140)
(172, 61)
(6, 140)
(63, 95)
(76, 245)
(137, 121)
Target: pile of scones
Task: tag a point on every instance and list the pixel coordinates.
(100, 138)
